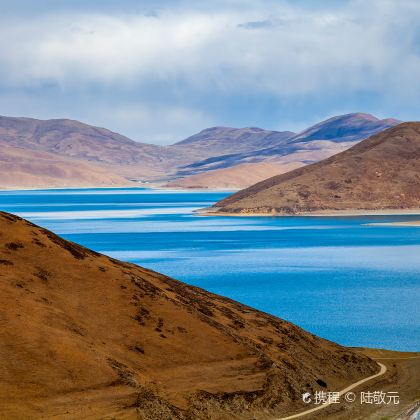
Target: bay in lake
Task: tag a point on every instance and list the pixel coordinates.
(354, 284)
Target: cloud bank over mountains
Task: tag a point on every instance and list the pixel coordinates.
(158, 71)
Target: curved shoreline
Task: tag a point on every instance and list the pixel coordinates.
(413, 223)
(322, 213)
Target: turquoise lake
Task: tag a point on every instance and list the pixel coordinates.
(348, 282)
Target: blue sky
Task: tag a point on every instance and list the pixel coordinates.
(158, 71)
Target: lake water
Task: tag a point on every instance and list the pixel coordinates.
(354, 284)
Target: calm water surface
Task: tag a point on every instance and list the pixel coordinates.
(334, 276)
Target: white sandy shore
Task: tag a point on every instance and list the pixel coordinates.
(413, 223)
(71, 187)
(124, 186)
(323, 213)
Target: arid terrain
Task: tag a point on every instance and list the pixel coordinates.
(245, 174)
(86, 336)
(22, 168)
(243, 169)
(223, 141)
(76, 142)
(66, 153)
(234, 177)
(380, 173)
(401, 377)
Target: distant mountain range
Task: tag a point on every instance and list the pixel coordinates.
(60, 153)
(220, 141)
(101, 150)
(316, 143)
(378, 174)
(349, 127)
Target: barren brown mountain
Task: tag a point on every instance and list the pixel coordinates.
(234, 177)
(226, 141)
(82, 142)
(244, 168)
(23, 168)
(380, 173)
(246, 174)
(86, 336)
(60, 144)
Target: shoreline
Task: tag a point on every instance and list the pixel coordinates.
(414, 223)
(325, 213)
(7, 189)
(128, 186)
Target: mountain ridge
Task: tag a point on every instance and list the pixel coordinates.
(87, 336)
(381, 172)
(125, 161)
(353, 126)
(302, 149)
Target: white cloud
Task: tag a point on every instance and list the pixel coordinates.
(353, 48)
(273, 48)
(96, 48)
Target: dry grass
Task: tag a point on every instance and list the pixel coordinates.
(86, 336)
(380, 173)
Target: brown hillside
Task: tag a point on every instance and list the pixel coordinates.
(77, 141)
(234, 177)
(86, 336)
(247, 174)
(381, 172)
(93, 156)
(22, 168)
